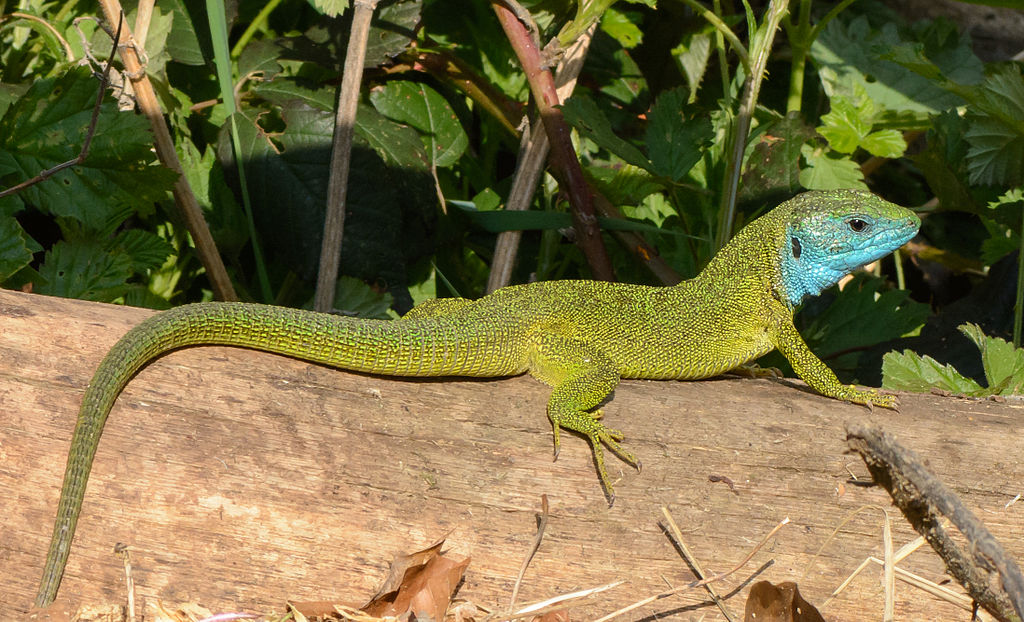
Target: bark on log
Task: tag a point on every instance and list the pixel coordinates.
(241, 480)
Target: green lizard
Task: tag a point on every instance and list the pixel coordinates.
(580, 337)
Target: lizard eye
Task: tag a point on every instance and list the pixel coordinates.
(857, 225)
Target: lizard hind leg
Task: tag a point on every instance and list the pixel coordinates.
(582, 377)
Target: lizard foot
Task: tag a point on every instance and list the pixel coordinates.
(588, 424)
(870, 398)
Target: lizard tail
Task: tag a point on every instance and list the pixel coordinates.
(422, 347)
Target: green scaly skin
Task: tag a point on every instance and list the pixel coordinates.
(579, 337)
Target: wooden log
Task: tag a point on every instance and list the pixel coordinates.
(241, 480)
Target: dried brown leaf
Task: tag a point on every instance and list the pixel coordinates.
(421, 584)
(562, 615)
(779, 603)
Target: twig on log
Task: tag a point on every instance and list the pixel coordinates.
(923, 499)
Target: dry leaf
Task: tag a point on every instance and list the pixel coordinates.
(562, 615)
(779, 603)
(426, 591)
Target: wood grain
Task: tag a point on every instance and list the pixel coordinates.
(241, 480)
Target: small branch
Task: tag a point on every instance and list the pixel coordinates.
(164, 145)
(53, 31)
(533, 154)
(565, 164)
(734, 165)
(542, 524)
(341, 154)
(922, 498)
(690, 586)
(89, 133)
(451, 69)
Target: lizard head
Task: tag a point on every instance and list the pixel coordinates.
(830, 233)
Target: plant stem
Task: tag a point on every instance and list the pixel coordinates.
(762, 45)
(254, 26)
(184, 198)
(341, 154)
(721, 27)
(565, 164)
(219, 36)
(1018, 307)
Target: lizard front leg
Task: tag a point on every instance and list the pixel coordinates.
(582, 377)
(816, 373)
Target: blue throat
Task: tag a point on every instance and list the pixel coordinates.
(813, 260)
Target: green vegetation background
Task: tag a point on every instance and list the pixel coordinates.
(852, 96)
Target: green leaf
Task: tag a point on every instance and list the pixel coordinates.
(426, 110)
(182, 43)
(285, 89)
(1011, 197)
(944, 161)
(84, 270)
(852, 56)
(583, 114)
(674, 142)
(14, 252)
(847, 127)
(911, 372)
(885, 144)
(1003, 363)
(773, 164)
(145, 250)
(46, 127)
(330, 8)
(828, 170)
(996, 131)
(396, 143)
(392, 30)
(355, 298)
(618, 26)
(389, 204)
(844, 126)
(863, 315)
(692, 55)
(260, 58)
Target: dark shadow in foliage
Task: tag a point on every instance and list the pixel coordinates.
(389, 223)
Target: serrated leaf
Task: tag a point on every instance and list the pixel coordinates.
(1009, 198)
(355, 298)
(1003, 363)
(674, 142)
(46, 127)
(260, 57)
(14, 252)
(84, 270)
(618, 26)
(884, 144)
(390, 208)
(625, 185)
(583, 114)
(145, 250)
(773, 164)
(396, 143)
(852, 56)
(692, 55)
(844, 126)
(862, 315)
(828, 170)
(182, 43)
(330, 8)
(996, 131)
(426, 110)
(911, 372)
